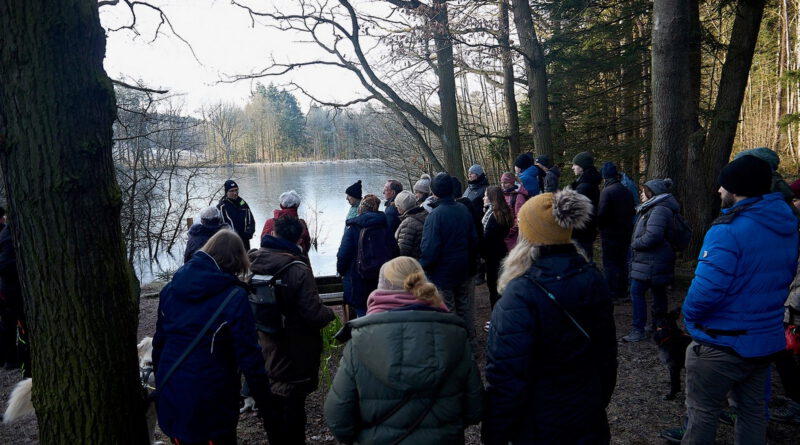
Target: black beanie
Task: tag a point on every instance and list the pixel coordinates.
(609, 170)
(442, 185)
(523, 161)
(354, 190)
(747, 176)
(230, 184)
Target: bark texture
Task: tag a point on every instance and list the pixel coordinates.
(56, 111)
(509, 98)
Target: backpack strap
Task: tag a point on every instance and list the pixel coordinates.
(555, 301)
(280, 271)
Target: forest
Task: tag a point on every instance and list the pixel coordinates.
(668, 88)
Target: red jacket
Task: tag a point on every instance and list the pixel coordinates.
(269, 226)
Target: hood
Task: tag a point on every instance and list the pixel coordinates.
(201, 229)
(275, 243)
(763, 153)
(665, 199)
(770, 212)
(591, 176)
(368, 219)
(478, 183)
(267, 260)
(277, 213)
(410, 350)
(200, 278)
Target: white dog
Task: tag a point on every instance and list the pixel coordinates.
(19, 404)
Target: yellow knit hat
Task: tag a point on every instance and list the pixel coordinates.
(549, 218)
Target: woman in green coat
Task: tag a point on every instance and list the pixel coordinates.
(407, 374)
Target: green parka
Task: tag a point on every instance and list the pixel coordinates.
(398, 352)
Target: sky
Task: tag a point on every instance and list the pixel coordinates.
(225, 43)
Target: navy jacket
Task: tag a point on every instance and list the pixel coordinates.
(547, 383)
(588, 184)
(392, 216)
(550, 182)
(743, 276)
(357, 288)
(653, 257)
(199, 234)
(200, 401)
(615, 212)
(239, 217)
(449, 242)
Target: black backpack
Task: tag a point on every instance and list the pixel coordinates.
(374, 249)
(266, 301)
(681, 234)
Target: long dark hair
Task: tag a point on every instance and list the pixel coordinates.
(502, 212)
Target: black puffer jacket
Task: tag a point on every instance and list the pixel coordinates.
(615, 212)
(237, 214)
(588, 184)
(475, 191)
(548, 384)
(652, 255)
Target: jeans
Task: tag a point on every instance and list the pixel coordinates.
(638, 289)
(615, 267)
(711, 374)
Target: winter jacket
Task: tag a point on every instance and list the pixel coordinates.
(200, 401)
(546, 382)
(493, 248)
(237, 214)
(449, 241)
(269, 226)
(653, 257)
(588, 184)
(475, 191)
(615, 212)
(631, 187)
(409, 233)
(748, 260)
(530, 180)
(293, 356)
(199, 234)
(392, 215)
(515, 198)
(551, 180)
(391, 354)
(475, 255)
(357, 288)
(792, 312)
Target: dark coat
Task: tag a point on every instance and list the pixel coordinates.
(588, 184)
(550, 183)
(653, 257)
(199, 234)
(403, 352)
(548, 384)
(237, 214)
(409, 234)
(357, 288)
(293, 356)
(392, 216)
(200, 401)
(493, 248)
(615, 212)
(475, 191)
(449, 241)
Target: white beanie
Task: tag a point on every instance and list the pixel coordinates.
(290, 199)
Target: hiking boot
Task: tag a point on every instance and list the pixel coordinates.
(634, 336)
(673, 435)
(789, 413)
(727, 417)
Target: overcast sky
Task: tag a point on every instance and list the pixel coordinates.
(225, 43)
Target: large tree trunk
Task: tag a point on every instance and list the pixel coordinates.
(705, 202)
(536, 71)
(56, 111)
(509, 98)
(451, 143)
(670, 71)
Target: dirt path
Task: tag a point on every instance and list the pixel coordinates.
(636, 413)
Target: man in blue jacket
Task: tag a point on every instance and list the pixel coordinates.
(528, 173)
(734, 307)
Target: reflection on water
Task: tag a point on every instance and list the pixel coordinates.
(321, 186)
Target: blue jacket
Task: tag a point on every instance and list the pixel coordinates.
(199, 234)
(530, 180)
(743, 276)
(449, 241)
(392, 216)
(652, 256)
(200, 401)
(548, 384)
(357, 288)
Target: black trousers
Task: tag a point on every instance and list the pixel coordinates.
(285, 419)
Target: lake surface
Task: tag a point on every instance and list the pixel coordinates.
(321, 186)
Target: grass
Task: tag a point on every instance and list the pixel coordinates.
(329, 348)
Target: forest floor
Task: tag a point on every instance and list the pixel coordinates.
(637, 412)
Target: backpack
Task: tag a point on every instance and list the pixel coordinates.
(373, 251)
(681, 233)
(266, 303)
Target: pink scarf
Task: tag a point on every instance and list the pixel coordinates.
(386, 300)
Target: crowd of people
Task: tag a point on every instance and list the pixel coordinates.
(410, 263)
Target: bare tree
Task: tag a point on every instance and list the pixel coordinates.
(224, 122)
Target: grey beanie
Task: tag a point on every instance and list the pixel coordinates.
(583, 159)
(659, 186)
(289, 199)
(210, 215)
(476, 169)
(405, 201)
(424, 184)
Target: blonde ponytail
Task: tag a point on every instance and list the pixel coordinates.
(422, 289)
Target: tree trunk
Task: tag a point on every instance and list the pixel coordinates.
(536, 71)
(509, 97)
(670, 76)
(719, 142)
(451, 143)
(56, 111)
